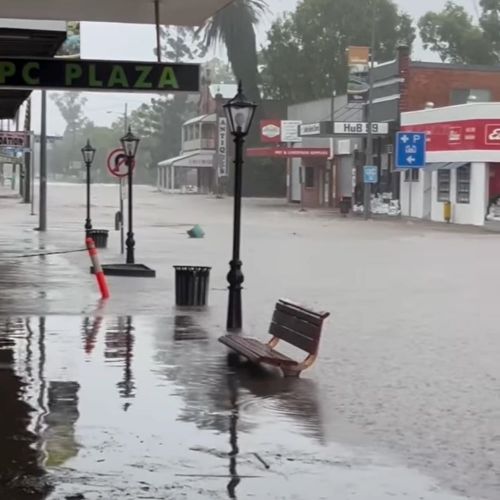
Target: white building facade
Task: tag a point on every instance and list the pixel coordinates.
(463, 163)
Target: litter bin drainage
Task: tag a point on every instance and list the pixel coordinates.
(191, 285)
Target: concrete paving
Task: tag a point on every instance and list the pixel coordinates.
(401, 403)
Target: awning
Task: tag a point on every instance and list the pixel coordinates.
(196, 159)
(172, 12)
(431, 167)
(202, 119)
(454, 165)
(26, 38)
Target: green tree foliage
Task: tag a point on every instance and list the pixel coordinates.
(159, 125)
(71, 105)
(305, 57)
(178, 43)
(490, 25)
(234, 26)
(453, 35)
(220, 72)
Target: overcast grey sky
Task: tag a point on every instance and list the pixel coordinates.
(136, 42)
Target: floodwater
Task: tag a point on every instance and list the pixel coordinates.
(140, 407)
(134, 399)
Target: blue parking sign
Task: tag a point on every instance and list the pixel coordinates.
(410, 149)
(370, 174)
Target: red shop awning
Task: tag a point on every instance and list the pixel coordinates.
(288, 152)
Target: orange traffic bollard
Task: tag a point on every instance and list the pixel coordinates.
(99, 274)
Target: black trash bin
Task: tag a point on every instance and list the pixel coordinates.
(191, 285)
(100, 237)
(345, 205)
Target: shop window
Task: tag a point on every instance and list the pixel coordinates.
(463, 184)
(444, 180)
(462, 96)
(414, 173)
(309, 177)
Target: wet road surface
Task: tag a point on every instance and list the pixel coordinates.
(402, 403)
(147, 408)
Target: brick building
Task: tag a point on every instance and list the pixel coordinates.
(404, 85)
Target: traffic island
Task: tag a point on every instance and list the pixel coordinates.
(127, 270)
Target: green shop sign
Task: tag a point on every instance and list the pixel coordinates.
(38, 73)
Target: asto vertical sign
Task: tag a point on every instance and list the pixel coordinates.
(358, 61)
(222, 147)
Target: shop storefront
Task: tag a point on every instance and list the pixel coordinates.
(463, 164)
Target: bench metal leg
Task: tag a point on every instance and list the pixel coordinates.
(294, 371)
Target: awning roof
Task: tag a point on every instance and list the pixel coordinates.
(430, 167)
(195, 159)
(202, 119)
(172, 12)
(25, 38)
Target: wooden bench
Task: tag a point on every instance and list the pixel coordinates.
(291, 323)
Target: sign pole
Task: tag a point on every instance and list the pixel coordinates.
(122, 230)
(410, 171)
(369, 139)
(32, 168)
(42, 226)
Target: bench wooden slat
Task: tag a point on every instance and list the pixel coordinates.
(291, 323)
(299, 313)
(320, 314)
(298, 325)
(254, 350)
(294, 338)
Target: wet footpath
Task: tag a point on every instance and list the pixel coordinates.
(134, 398)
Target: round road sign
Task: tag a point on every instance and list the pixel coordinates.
(117, 163)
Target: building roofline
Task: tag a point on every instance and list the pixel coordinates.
(463, 67)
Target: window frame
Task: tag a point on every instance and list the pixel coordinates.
(447, 196)
(309, 175)
(463, 184)
(415, 175)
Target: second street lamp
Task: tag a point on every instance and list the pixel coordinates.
(239, 112)
(130, 143)
(88, 153)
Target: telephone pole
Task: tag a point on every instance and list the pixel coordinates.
(369, 118)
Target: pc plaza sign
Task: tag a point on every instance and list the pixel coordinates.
(115, 76)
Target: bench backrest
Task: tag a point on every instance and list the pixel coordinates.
(297, 325)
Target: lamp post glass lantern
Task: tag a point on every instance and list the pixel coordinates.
(239, 112)
(88, 153)
(130, 144)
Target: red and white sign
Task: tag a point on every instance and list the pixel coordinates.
(460, 135)
(270, 131)
(117, 163)
(493, 134)
(288, 152)
(13, 139)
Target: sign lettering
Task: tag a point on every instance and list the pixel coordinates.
(290, 130)
(360, 128)
(40, 73)
(222, 147)
(16, 139)
(310, 129)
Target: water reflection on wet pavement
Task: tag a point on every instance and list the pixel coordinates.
(146, 407)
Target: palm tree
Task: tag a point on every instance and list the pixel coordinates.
(234, 26)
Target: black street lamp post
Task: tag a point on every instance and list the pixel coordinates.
(130, 143)
(88, 153)
(240, 113)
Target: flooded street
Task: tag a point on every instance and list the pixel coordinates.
(134, 398)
